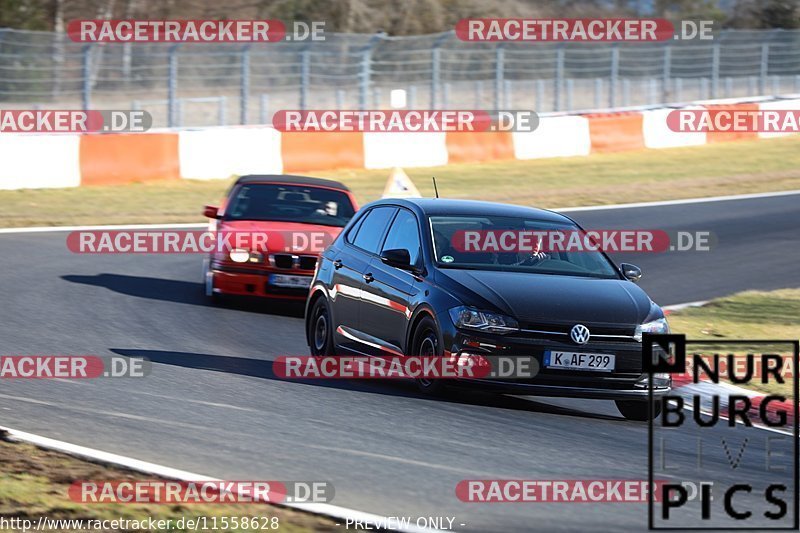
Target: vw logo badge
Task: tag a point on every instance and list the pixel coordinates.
(579, 334)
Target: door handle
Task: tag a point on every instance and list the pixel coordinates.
(338, 264)
(368, 278)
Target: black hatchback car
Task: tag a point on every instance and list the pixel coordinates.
(394, 283)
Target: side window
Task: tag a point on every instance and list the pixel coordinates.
(372, 229)
(404, 233)
(352, 232)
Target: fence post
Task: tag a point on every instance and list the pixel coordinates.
(263, 107)
(86, 72)
(435, 59)
(614, 74)
(222, 111)
(436, 71)
(366, 70)
(539, 94)
(569, 90)
(500, 58)
(598, 92)
(305, 74)
(558, 78)
(715, 70)
(666, 73)
(172, 86)
(762, 81)
(244, 93)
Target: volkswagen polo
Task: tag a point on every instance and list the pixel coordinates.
(396, 282)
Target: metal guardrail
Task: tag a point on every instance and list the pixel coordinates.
(205, 84)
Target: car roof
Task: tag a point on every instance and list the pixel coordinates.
(294, 180)
(447, 206)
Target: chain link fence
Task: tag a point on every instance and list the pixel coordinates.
(214, 84)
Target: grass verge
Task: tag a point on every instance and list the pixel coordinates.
(746, 315)
(646, 175)
(34, 483)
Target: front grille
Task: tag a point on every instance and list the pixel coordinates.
(289, 261)
(283, 260)
(599, 333)
(308, 262)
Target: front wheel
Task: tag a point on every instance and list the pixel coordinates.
(638, 409)
(426, 343)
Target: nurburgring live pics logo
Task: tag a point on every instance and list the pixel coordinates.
(729, 419)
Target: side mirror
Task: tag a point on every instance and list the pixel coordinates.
(631, 272)
(398, 258)
(211, 211)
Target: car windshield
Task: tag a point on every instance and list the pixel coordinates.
(290, 203)
(478, 243)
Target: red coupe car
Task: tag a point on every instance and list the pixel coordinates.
(288, 221)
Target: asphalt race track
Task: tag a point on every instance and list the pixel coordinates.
(212, 404)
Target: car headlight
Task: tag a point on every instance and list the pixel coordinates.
(238, 255)
(656, 326)
(469, 318)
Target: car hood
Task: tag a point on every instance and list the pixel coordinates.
(282, 236)
(543, 298)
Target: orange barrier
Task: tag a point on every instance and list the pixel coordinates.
(722, 136)
(616, 132)
(303, 151)
(117, 158)
(468, 147)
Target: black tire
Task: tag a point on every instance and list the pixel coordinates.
(427, 343)
(638, 410)
(319, 329)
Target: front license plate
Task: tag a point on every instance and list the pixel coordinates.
(293, 282)
(597, 362)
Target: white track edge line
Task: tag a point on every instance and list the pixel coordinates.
(325, 509)
(684, 201)
(710, 199)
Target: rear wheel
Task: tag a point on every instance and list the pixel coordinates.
(319, 329)
(638, 409)
(426, 343)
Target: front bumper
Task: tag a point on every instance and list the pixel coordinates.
(561, 391)
(626, 381)
(241, 281)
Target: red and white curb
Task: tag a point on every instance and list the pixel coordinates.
(324, 509)
(682, 384)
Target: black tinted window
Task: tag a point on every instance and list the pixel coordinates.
(372, 229)
(404, 233)
(290, 203)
